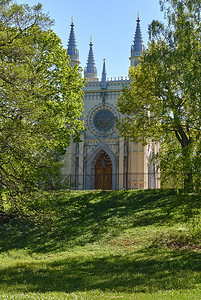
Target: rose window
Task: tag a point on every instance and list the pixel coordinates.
(104, 120)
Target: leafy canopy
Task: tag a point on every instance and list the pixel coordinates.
(162, 103)
(40, 98)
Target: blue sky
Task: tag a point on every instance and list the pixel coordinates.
(111, 23)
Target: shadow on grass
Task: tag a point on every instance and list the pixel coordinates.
(143, 272)
(94, 216)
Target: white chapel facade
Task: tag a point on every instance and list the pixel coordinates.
(103, 159)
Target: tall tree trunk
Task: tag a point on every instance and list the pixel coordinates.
(185, 143)
(1, 207)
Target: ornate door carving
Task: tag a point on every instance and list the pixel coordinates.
(103, 172)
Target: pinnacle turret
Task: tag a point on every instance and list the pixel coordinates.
(137, 48)
(90, 72)
(72, 50)
(103, 79)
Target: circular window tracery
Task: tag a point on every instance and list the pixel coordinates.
(101, 120)
(104, 120)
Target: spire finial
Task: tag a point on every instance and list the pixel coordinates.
(72, 19)
(90, 71)
(138, 14)
(103, 79)
(137, 47)
(72, 50)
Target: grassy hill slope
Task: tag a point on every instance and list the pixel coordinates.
(104, 245)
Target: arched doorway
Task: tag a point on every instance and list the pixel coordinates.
(103, 172)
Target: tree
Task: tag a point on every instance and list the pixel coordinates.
(163, 101)
(40, 99)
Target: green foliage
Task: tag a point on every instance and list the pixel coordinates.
(104, 245)
(163, 102)
(40, 102)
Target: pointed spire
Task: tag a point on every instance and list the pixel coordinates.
(72, 50)
(103, 79)
(137, 47)
(90, 72)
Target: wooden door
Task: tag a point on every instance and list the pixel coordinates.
(103, 172)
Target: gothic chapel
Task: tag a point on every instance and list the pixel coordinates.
(103, 160)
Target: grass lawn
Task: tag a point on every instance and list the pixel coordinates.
(104, 245)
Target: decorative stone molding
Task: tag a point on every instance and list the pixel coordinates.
(91, 163)
(101, 120)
